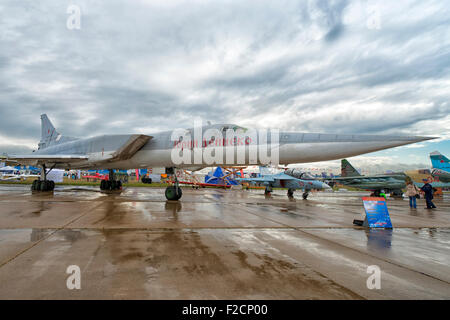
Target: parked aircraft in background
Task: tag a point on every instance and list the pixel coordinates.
(12, 173)
(283, 180)
(390, 183)
(131, 151)
(441, 167)
(422, 176)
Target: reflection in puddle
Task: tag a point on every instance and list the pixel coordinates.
(379, 238)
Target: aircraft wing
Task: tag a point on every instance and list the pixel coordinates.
(37, 159)
(134, 143)
(259, 179)
(284, 176)
(383, 177)
(347, 178)
(129, 148)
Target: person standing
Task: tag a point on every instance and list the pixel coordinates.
(428, 190)
(412, 192)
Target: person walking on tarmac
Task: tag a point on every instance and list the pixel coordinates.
(428, 189)
(412, 192)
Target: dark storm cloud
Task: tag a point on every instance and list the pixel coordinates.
(323, 66)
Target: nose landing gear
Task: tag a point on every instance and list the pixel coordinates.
(173, 192)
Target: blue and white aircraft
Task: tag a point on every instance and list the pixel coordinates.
(283, 180)
(441, 166)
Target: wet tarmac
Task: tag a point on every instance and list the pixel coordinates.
(216, 244)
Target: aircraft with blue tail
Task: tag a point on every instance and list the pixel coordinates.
(441, 166)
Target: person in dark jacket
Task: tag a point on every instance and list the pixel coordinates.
(428, 190)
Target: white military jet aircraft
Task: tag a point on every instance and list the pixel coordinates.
(131, 151)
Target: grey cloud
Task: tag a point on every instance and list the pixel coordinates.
(156, 66)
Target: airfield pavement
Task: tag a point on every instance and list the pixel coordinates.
(216, 244)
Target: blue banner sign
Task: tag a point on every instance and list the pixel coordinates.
(377, 214)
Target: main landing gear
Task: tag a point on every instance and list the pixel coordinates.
(290, 194)
(173, 192)
(111, 184)
(43, 185)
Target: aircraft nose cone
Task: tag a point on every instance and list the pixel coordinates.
(325, 186)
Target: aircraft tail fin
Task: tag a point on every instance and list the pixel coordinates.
(439, 161)
(48, 132)
(347, 169)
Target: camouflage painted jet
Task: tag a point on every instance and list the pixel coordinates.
(390, 183)
(283, 180)
(132, 151)
(441, 167)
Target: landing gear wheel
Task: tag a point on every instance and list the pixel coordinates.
(305, 195)
(103, 185)
(173, 193)
(290, 193)
(146, 180)
(43, 185)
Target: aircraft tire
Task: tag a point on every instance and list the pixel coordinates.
(34, 185)
(103, 185)
(52, 185)
(146, 180)
(43, 186)
(119, 185)
(290, 193)
(172, 193)
(305, 195)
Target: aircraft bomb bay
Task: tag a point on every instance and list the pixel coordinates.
(216, 244)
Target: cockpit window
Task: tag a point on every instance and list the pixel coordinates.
(235, 128)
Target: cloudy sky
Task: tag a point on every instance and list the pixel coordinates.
(373, 67)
